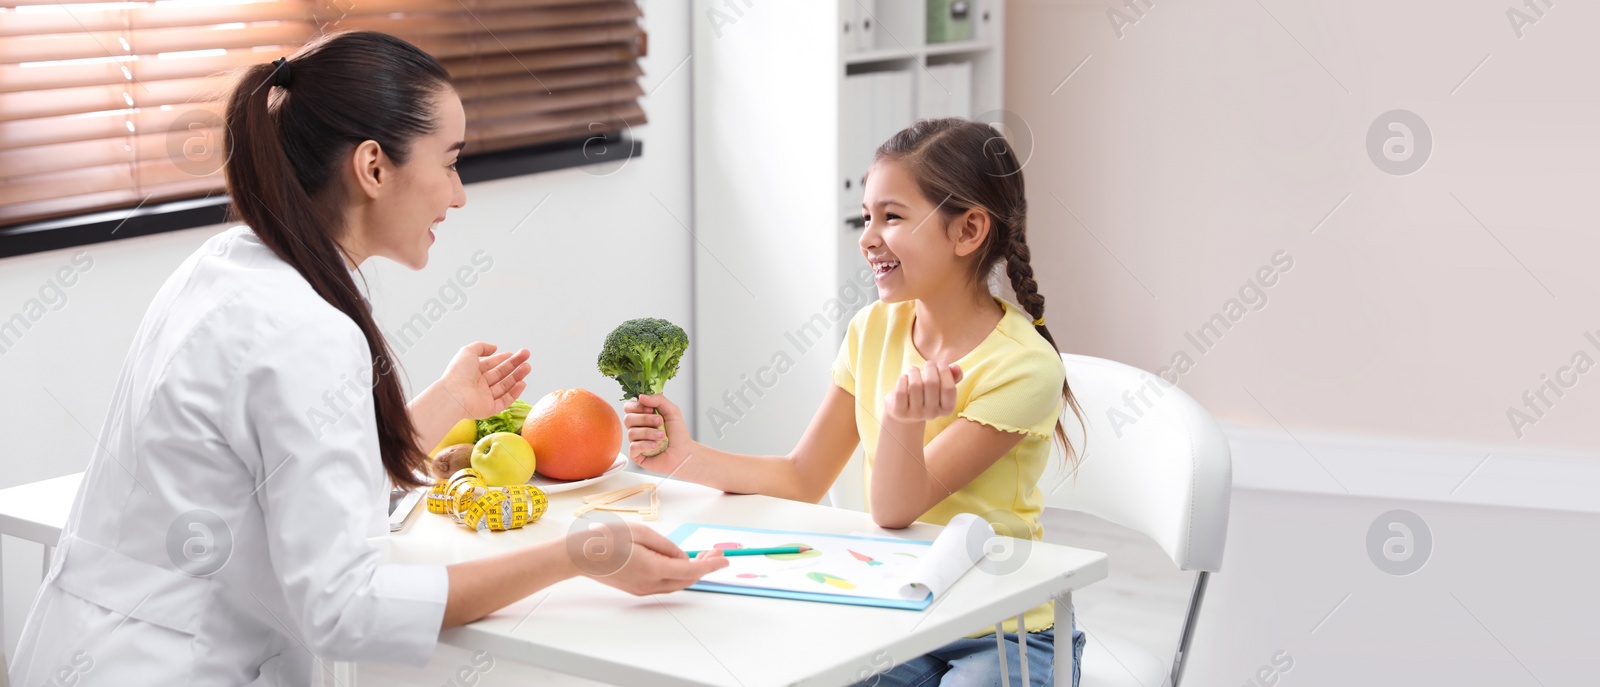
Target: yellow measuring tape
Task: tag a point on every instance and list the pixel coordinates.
(477, 506)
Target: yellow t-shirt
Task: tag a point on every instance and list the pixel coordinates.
(1011, 381)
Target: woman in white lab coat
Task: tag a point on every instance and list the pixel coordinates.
(220, 535)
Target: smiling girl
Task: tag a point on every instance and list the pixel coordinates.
(954, 393)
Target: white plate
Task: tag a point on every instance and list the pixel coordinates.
(551, 486)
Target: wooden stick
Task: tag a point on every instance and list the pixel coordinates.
(608, 501)
(655, 505)
(616, 494)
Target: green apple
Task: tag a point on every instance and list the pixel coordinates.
(504, 459)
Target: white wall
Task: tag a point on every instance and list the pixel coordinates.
(600, 250)
(1490, 576)
(766, 236)
(1502, 599)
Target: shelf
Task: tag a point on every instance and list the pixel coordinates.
(827, 112)
(935, 50)
(881, 55)
(956, 48)
(932, 50)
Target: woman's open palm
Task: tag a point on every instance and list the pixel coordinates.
(484, 382)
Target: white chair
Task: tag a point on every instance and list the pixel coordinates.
(1155, 462)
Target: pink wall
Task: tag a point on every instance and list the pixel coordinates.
(1210, 136)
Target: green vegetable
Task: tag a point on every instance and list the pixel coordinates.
(508, 420)
(642, 355)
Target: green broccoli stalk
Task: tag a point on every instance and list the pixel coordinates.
(642, 355)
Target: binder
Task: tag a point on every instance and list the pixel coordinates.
(866, 25)
(856, 106)
(873, 107)
(945, 90)
(893, 110)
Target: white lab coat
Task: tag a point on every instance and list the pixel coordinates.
(221, 533)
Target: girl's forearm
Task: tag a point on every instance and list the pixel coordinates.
(901, 480)
(744, 474)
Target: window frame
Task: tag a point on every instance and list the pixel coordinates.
(176, 215)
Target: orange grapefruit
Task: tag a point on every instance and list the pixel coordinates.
(575, 433)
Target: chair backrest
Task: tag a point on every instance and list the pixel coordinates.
(1153, 461)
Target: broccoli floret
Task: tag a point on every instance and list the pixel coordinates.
(642, 355)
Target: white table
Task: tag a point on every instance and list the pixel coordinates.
(582, 627)
(35, 512)
(695, 638)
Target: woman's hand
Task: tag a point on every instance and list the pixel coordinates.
(923, 394)
(646, 429)
(630, 557)
(482, 382)
(636, 559)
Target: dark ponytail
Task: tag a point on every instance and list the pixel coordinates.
(971, 165)
(289, 125)
(1032, 302)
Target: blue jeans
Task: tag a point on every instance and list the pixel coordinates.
(975, 663)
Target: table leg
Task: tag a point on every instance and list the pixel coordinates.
(334, 674)
(1063, 657)
(1000, 645)
(1022, 649)
(346, 673)
(44, 568)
